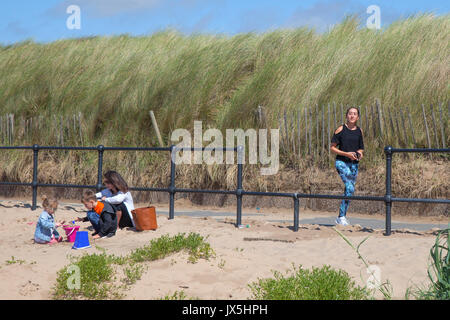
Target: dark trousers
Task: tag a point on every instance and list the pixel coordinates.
(125, 220)
(103, 224)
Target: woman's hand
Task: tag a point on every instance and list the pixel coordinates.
(103, 198)
(352, 155)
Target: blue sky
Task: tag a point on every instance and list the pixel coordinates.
(45, 20)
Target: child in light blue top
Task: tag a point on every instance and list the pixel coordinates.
(45, 232)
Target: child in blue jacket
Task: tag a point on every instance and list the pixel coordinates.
(46, 226)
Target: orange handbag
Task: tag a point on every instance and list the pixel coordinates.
(145, 218)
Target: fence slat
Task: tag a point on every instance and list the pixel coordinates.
(323, 130)
(308, 128)
(399, 136)
(366, 118)
(434, 127)
(316, 150)
(373, 121)
(286, 130)
(386, 125)
(391, 122)
(379, 112)
(404, 127)
(442, 126)
(426, 126)
(328, 129)
(299, 110)
(280, 128)
(80, 128)
(293, 130)
(12, 128)
(334, 109)
(61, 130)
(411, 127)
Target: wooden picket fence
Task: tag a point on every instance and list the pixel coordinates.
(304, 131)
(65, 130)
(308, 130)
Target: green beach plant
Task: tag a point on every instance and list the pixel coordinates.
(178, 295)
(323, 283)
(438, 271)
(96, 275)
(165, 245)
(98, 272)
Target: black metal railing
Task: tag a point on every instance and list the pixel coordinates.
(388, 199)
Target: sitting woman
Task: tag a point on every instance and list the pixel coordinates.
(119, 197)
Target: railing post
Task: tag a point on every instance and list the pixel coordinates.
(239, 190)
(172, 182)
(388, 196)
(100, 149)
(35, 174)
(296, 211)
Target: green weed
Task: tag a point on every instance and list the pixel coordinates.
(96, 272)
(438, 271)
(178, 295)
(301, 284)
(166, 245)
(99, 271)
(14, 261)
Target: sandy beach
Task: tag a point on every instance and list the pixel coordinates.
(29, 271)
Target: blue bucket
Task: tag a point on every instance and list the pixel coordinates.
(81, 240)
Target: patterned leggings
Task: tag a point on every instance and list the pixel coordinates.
(348, 172)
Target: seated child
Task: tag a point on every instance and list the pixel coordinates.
(101, 215)
(45, 232)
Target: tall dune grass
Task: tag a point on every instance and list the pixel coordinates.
(220, 79)
(115, 81)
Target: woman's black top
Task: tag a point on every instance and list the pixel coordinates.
(348, 141)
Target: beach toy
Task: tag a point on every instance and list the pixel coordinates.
(71, 232)
(81, 240)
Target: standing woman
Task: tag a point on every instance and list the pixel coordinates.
(120, 198)
(348, 145)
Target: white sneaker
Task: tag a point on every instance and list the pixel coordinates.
(342, 221)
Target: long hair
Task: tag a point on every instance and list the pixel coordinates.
(117, 181)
